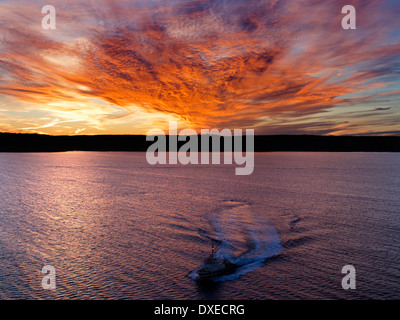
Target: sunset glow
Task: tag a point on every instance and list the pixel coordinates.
(125, 67)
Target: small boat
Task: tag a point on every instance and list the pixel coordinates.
(214, 266)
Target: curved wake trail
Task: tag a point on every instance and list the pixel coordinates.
(245, 238)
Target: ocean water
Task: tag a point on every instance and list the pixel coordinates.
(114, 227)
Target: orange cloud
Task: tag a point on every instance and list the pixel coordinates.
(209, 63)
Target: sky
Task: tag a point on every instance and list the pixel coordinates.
(126, 67)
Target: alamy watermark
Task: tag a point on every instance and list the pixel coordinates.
(190, 153)
(349, 280)
(49, 280)
(49, 20)
(348, 21)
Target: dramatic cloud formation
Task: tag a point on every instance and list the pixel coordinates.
(278, 66)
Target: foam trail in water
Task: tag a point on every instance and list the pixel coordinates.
(246, 239)
(265, 246)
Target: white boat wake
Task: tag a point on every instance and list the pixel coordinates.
(246, 239)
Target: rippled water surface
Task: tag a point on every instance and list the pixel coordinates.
(115, 227)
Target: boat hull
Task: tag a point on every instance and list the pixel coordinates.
(227, 270)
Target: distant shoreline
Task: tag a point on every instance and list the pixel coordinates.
(14, 142)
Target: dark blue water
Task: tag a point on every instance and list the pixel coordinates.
(115, 227)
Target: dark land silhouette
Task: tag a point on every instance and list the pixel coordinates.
(13, 142)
